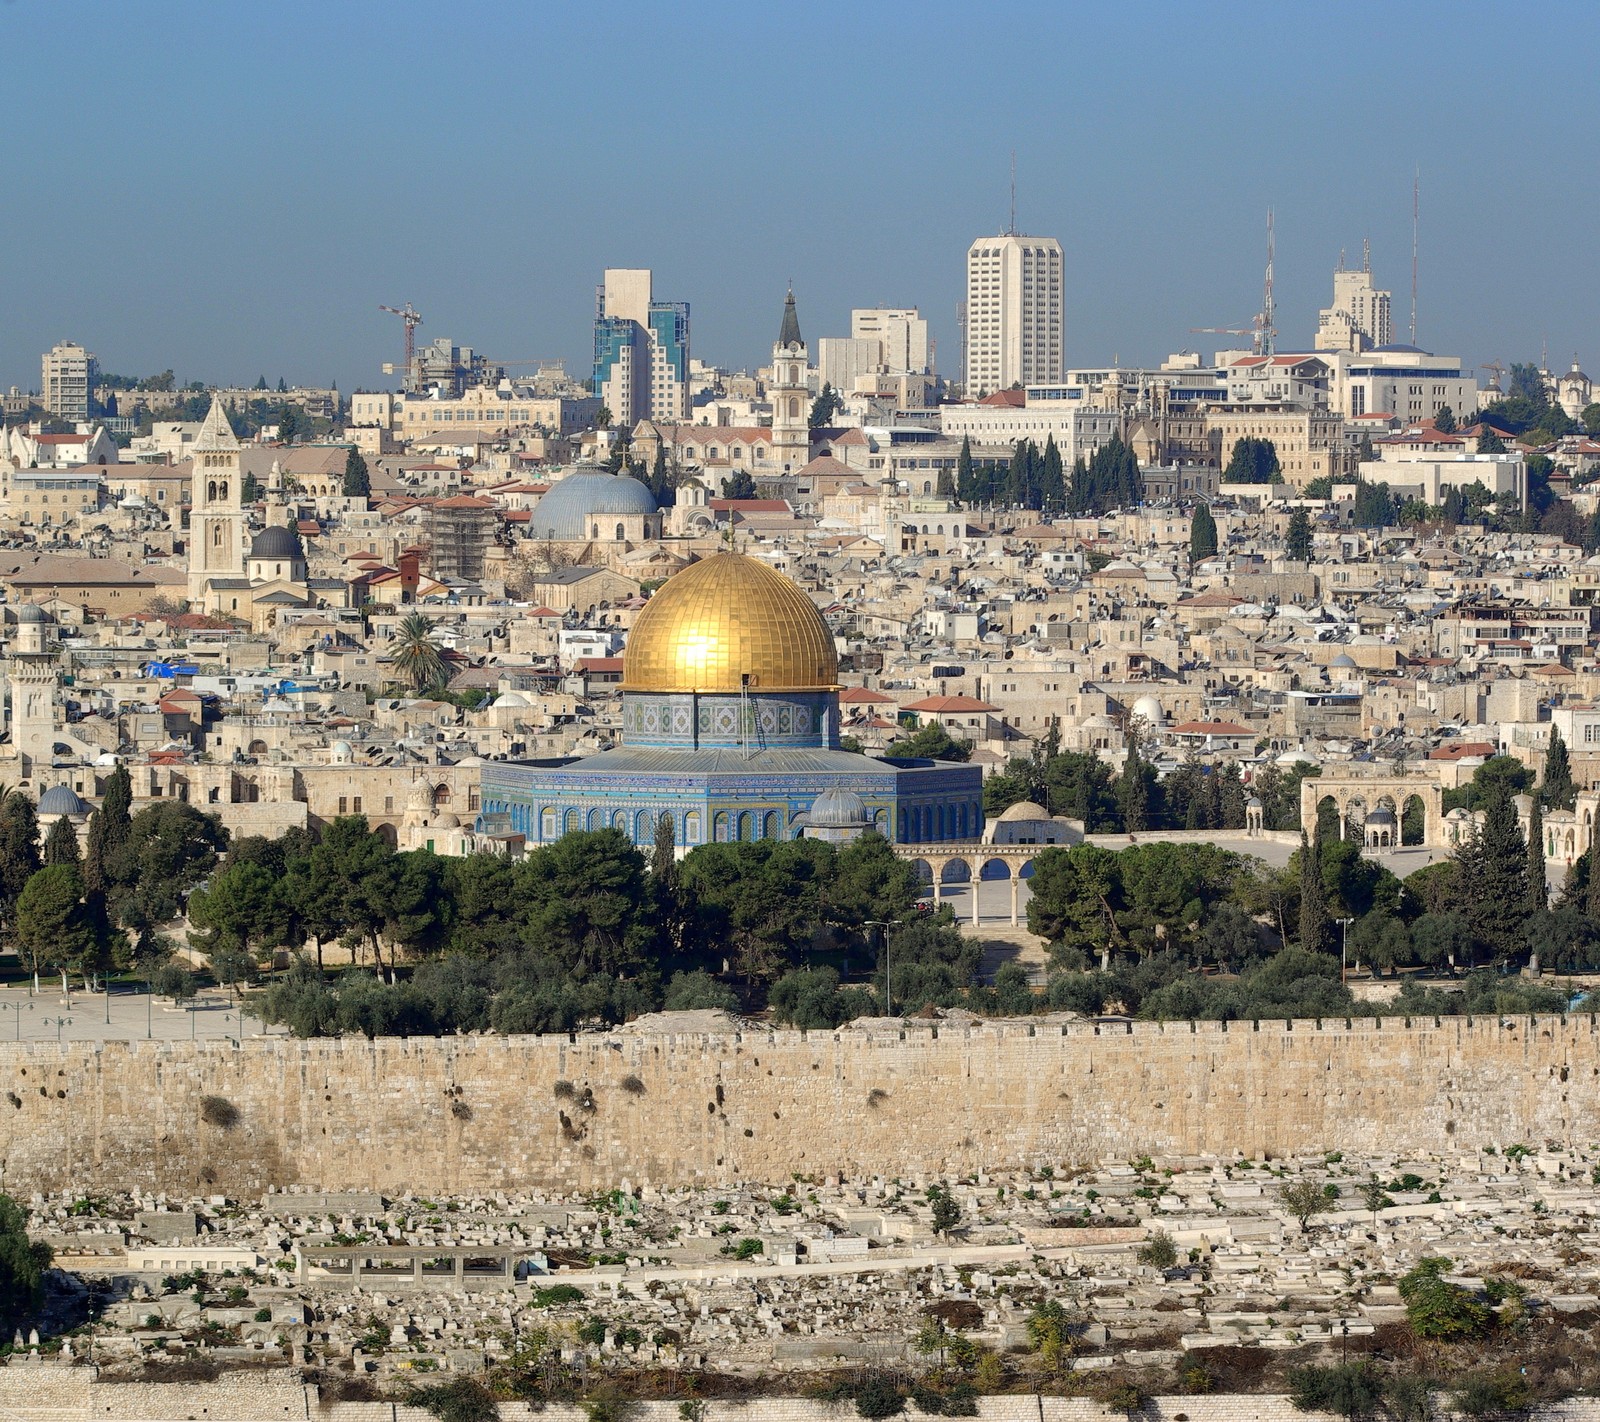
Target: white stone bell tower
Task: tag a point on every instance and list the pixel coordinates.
(791, 395)
(216, 507)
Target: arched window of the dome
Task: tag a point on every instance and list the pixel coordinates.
(746, 827)
(769, 826)
(597, 819)
(643, 829)
(719, 827)
(547, 823)
(691, 827)
(574, 822)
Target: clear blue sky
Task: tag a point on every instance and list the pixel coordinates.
(232, 189)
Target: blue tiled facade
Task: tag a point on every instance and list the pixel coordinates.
(731, 767)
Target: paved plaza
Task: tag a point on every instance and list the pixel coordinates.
(127, 1014)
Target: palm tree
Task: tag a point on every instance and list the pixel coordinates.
(417, 658)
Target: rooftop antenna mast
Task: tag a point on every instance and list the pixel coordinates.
(1268, 338)
(1011, 230)
(1416, 195)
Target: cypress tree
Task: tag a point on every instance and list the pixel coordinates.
(1496, 877)
(1202, 534)
(357, 481)
(966, 485)
(1133, 794)
(1316, 926)
(1538, 891)
(1591, 891)
(1052, 486)
(1298, 538)
(1014, 494)
(108, 832)
(19, 848)
(1558, 791)
(61, 844)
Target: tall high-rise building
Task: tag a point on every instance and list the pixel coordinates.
(1359, 318)
(641, 350)
(1016, 322)
(67, 380)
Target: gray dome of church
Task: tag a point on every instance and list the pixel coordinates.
(62, 800)
(31, 612)
(563, 513)
(276, 542)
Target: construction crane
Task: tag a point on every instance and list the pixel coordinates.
(1262, 331)
(413, 318)
(1497, 370)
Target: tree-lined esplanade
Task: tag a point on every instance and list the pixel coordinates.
(591, 928)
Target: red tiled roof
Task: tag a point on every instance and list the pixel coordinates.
(941, 705)
(861, 695)
(1212, 728)
(1463, 750)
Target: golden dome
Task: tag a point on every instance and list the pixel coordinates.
(723, 619)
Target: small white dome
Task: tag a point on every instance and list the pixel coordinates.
(1149, 709)
(511, 698)
(1025, 810)
(341, 752)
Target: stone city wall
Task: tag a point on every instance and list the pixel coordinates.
(590, 1111)
(44, 1393)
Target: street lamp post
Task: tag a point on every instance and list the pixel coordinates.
(58, 1023)
(1344, 940)
(886, 924)
(18, 1008)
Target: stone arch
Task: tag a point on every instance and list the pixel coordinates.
(993, 869)
(1329, 812)
(923, 870)
(1413, 820)
(1354, 819)
(955, 871)
(256, 747)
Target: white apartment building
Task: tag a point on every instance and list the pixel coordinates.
(1015, 313)
(901, 334)
(1065, 415)
(1426, 476)
(842, 361)
(67, 375)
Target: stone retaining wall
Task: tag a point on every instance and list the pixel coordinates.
(474, 1114)
(43, 1393)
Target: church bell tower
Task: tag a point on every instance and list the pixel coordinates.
(791, 395)
(216, 507)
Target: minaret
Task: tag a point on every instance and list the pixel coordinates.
(31, 668)
(216, 507)
(791, 395)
